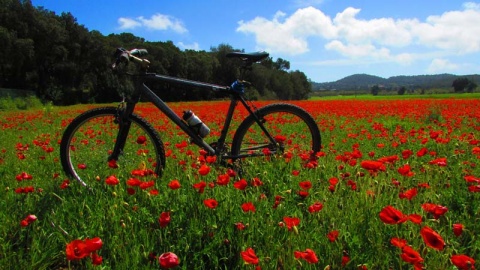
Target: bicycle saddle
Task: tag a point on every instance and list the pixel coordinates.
(250, 57)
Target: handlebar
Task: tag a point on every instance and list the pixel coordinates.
(125, 56)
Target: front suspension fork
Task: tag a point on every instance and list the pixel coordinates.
(122, 118)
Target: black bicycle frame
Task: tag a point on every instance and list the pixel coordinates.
(142, 90)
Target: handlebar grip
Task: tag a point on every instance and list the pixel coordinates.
(143, 62)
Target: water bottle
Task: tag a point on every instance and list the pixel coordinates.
(195, 123)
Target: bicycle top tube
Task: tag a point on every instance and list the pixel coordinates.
(166, 78)
(237, 87)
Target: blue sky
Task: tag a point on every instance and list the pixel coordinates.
(326, 39)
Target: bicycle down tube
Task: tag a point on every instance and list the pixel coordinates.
(163, 107)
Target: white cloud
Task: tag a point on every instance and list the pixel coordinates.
(471, 5)
(289, 35)
(357, 50)
(127, 23)
(439, 65)
(193, 46)
(155, 22)
(451, 33)
(455, 31)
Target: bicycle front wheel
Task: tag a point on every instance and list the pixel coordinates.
(284, 131)
(89, 140)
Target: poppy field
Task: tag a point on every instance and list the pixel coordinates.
(395, 186)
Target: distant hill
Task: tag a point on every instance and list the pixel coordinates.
(365, 81)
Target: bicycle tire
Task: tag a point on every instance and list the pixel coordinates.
(295, 131)
(89, 139)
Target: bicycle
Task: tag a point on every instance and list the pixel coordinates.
(114, 140)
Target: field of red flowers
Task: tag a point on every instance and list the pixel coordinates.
(397, 186)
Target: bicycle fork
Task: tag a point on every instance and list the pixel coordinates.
(122, 118)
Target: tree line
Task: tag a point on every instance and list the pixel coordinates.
(64, 62)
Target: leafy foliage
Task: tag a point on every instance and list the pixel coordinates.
(63, 61)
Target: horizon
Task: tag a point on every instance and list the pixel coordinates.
(394, 76)
(327, 40)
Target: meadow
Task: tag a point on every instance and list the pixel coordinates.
(396, 187)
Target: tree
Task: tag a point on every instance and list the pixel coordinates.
(375, 90)
(471, 87)
(459, 84)
(282, 64)
(402, 90)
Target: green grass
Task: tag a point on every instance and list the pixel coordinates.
(206, 238)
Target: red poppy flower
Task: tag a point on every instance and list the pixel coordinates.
(388, 159)
(133, 182)
(141, 139)
(411, 256)
(249, 256)
(78, 249)
(248, 207)
(168, 260)
(417, 219)
(240, 226)
(28, 220)
(409, 194)
(256, 182)
(372, 165)
(23, 176)
(291, 222)
(96, 260)
(333, 181)
(422, 152)
(442, 162)
(200, 186)
(146, 185)
(316, 207)
(280, 138)
(113, 164)
(65, 184)
(305, 185)
(82, 166)
(398, 242)
(474, 188)
(164, 219)
(390, 215)
(223, 179)
(112, 180)
(435, 209)
(432, 238)
(463, 262)
(174, 184)
(406, 153)
(405, 170)
(210, 203)
(332, 236)
(303, 194)
(240, 184)
(204, 170)
(231, 173)
(308, 255)
(457, 229)
(472, 179)
(345, 260)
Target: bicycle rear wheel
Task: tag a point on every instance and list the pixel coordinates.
(89, 140)
(289, 133)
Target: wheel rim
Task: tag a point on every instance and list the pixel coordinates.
(90, 145)
(293, 140)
